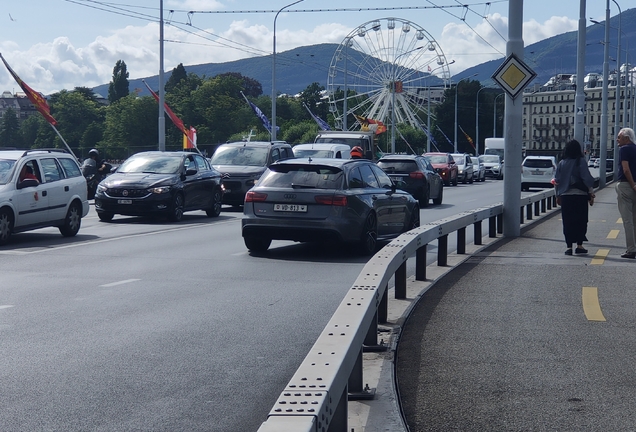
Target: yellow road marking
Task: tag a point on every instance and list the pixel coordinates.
(599, 258)
(591, 306)
(620, 220)
(613, 234)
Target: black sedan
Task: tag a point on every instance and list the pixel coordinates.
(415, 175)
(318, 200)
(160, 184)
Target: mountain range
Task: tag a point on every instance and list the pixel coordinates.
(298, 68)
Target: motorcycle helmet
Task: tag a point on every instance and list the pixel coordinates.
(357, 153)
(93, 152)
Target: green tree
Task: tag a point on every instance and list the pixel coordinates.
(87, 93)
(130, 126)
(251, 87)
(178, 74)
(30, 128)
(9, 129)
(75, 112)
(119, 86)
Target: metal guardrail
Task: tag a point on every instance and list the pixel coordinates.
(315, 399)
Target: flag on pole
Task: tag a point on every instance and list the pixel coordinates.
(323, 124)
(36, 98)
(260, 115)
(190, 140)
(176, 120)
(447, 139)
(470, 140)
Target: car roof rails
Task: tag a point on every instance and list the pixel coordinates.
(46, 150)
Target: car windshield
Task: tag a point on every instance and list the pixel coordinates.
(475, 160)
(438, 159)
(397, 166)
(459, 158)
(490, 159)
(537, 163)
(302, 177)
(6, 168)
(240, 155)
(303, 153)
(151, 164)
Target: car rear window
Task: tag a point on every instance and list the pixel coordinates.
(70, 167)
(537, 163)
(313, 153)
(438, 159)
(390, 166)
(302, 177)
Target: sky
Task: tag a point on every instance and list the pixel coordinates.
(62, 44)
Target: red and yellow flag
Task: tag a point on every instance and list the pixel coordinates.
(36, 98)
(190, 140)
(176, 120)
(370, 124)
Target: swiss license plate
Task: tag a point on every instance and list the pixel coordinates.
(124, 201)
(290, 207)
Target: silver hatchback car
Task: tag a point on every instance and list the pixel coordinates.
(342, 200)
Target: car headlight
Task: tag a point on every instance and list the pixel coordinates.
(101, 188)
(160, 190)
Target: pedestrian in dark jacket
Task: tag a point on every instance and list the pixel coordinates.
(574, 191)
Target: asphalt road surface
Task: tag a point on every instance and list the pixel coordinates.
(151, 326)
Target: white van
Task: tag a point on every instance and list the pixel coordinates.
(322, 150)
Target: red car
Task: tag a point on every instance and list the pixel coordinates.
(445, 166)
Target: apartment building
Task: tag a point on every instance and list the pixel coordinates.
(549, 115)
(19, 103)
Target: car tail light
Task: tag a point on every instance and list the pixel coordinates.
(416, 175)
(335, 200)
(255, 197)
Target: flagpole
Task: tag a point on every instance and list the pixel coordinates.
(162, 118)
(64, 141)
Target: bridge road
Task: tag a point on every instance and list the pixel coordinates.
(521, 337)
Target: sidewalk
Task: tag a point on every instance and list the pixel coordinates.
(521, 337)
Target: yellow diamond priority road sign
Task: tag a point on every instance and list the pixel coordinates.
(513, 76)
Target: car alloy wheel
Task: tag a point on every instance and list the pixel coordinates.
(369, 239)
(72, 221)
(6, 226)
(176, 211)
(215, 210)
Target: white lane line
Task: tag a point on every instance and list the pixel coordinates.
(5, 306)
(112, 284)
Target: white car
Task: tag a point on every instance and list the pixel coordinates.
(537, 171)
(322, 150)
(53, 194)
(464, 167)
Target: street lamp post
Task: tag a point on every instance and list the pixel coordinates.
(494, 115)
(477, 122)
(273, 133)
(162, 118)
(393, 81)
(617, 110)
(457, 91)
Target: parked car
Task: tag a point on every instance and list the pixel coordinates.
(415, 175)
(156, 183)
(40, 188)
(537, 171)
(591, 162)
(242, 163)
(319, 150)
(493, 166)
(464, 167)
(316, 200)
(445, 166)
(479, 170)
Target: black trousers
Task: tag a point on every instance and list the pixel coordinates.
(574, 211)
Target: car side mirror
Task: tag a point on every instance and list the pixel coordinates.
(27, 183)
(191, 171)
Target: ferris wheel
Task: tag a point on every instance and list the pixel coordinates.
(383, 64)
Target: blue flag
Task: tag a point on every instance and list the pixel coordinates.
(323, 124)
(262, 116)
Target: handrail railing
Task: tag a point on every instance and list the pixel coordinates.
(316, 397)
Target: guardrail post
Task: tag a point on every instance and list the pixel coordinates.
(383, 307)
(461, 240)
(500, 223)
(521, 216)
(492, 226)
(442, 250)
(477, 232)
(529, 211)
(400, 282)
(356, 391)
(544, 204)
(420, 263)
(536, 208)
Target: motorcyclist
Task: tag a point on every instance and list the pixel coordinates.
(94, 169)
